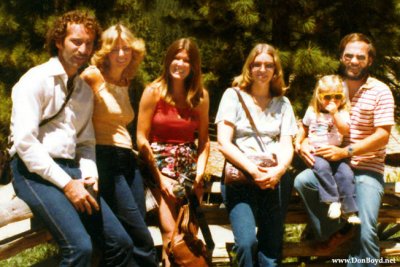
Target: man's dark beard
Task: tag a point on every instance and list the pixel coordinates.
(363, 73)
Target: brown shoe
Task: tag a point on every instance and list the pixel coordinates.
(335, 241)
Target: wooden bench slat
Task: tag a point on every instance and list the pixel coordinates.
(296, 249)
(16, 210)
(214, 187)
(218, 215)
(24, 241)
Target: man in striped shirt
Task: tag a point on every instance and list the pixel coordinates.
(372, 116)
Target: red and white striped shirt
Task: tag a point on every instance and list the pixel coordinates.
(371, 106)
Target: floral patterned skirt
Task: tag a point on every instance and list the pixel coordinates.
(175, 159)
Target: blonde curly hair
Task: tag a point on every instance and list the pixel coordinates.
(108, 41)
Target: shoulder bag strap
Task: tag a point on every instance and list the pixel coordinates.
(177, 225)
(70, 90)
(195, 206)
(250, 118)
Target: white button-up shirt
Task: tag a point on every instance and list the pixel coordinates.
(38, 95)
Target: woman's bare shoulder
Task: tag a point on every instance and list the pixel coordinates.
(153, 89)
(152, 92)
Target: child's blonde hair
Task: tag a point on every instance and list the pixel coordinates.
(328, 83)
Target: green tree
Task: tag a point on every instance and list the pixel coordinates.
(307, 33)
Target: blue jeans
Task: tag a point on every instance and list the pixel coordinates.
(74, 232)
(121, 185)
(336, 183)
(249, 206)
(369, 192)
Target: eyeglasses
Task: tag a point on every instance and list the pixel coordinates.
(349, 57)
(329, 96)
(258, 65)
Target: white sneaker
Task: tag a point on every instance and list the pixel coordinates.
(353, 219)
(334, 211)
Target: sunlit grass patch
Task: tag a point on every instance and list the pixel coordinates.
(31, 256)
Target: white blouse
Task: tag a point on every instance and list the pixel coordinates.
(277, 119)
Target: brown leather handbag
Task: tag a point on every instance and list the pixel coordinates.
(234, 175)
(185, 249)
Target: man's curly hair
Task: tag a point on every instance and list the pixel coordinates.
(58, 31)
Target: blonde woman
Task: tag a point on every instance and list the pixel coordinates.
(171, 110)
(121, 185)
(262, 203)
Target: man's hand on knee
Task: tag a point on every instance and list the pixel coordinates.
(81, 199)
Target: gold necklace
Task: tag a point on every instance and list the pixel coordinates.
(120, 82)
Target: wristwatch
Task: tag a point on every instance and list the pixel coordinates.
(350, 151)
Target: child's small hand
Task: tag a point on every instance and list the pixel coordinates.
(331, 108)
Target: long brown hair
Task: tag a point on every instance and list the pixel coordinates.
(245, 80)
(193, 83)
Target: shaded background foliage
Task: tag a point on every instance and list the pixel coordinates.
(306, 32)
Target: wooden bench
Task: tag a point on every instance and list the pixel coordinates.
(389, 219)
(15, 211)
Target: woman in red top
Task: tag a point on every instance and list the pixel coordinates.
(171, 110)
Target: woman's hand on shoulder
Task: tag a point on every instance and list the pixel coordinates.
(92, 76)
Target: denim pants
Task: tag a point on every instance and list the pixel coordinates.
(74, 232)
(121, 186)
(250, 207)
(336, 183)
(369, 192)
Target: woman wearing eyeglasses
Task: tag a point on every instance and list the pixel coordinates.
(257, 210)
(121, 185)
(326, 121)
